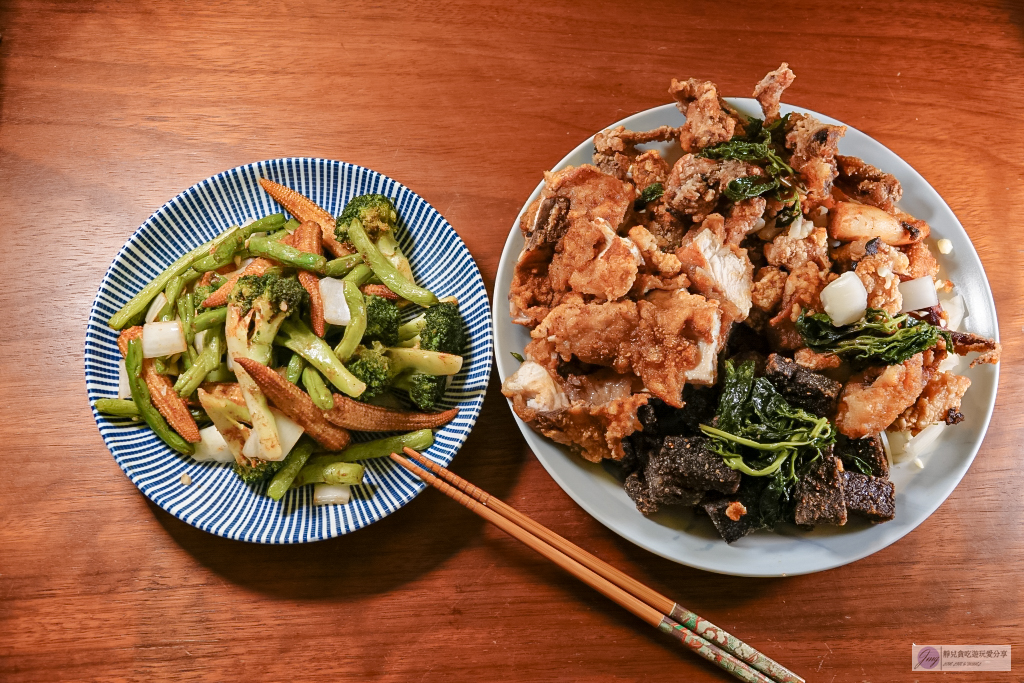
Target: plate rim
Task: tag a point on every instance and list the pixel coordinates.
(246, 530)
(509, 255)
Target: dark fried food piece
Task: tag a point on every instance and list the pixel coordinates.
(814, 146)
(819, 494)
(800, 387)
(707, 120)
(769, 90)
(867, 184)
(871, 497)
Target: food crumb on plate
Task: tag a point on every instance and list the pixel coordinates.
(185, 480)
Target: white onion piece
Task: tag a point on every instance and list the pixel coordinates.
(331, 494)
(124, 390)
(801, 228)
(230, 363)
(898, 445)
(922, 443)
(332, 291)
(845, 299)
(162, 339)
(918, 294)
(248, 221)
(955, 310)
(288, 431)
(199, 341)
(213, 447)
(154, 308)
(251, 447)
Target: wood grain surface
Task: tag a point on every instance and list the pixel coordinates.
(108, 109)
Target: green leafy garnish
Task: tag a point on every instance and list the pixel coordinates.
(518, 356)
(877, 338)
(750, 186)
(756, 149)
(651, 193)
(758, 433)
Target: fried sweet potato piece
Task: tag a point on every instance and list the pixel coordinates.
(352, 414)
(296, 404)
(161, 391)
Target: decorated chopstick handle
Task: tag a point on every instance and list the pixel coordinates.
(713, 654)
(732, 644)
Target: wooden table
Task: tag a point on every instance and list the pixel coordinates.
(109, 109)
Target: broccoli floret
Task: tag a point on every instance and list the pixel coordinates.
(381, 321)
(261, 471)
(426, 391)
(201, 294)
(373, 368)
(442, 329)
(375, 211)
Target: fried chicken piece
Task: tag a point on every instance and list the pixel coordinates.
(676, 341)
(707, 121)
(768, 288)
(615, 148)
(649, 168)
(938, 402)
(660, 270)
(873, 399)
(814, 146)
(791, 252)
(544, 222)
(921, 261)
(593, 429)
(802, 291)
(592, 259)
(718, 271)
(598, 334)
(695, 183)
(816, 361)
(591, 194)
(867, 184)
(667, 228)
(968, 342)
(846, 256)
(744, 218)
(879, 272)
(768, 91)
(531, 295)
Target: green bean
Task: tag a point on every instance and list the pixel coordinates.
(265, 224)
(186, 311)
(383, 268)
(206, 362)
(359, 275)
(297, 336)
(331, 473)
(340, 267)
(214, 317)
(121, 407)
(286, 229)
(419, 440)
(293, 463)
(317, 390)
(357, 321)
(199, 415)
(295, 366)
(289, 256)
(222, 254)
(174, 288)
(141, 301)
(221, 374)
(140, 394)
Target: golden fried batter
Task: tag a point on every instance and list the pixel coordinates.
(871, 401)
(598, 334)
(938, 402)
(769, 91)
(591, 259)
(707, 121)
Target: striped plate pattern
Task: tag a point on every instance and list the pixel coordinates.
(217, 501)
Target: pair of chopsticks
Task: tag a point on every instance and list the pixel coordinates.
(699, 635)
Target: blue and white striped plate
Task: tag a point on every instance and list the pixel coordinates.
(217, 501)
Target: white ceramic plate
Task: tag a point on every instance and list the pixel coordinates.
(688, 539)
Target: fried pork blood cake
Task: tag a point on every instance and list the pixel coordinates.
(639, 277)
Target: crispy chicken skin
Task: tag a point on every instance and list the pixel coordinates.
(864, 182)
(598, 334)
(591, 259)
(615, 149)
(814, 146)
(531, 295)
(707, 121)
(592, 194)
(938, 402)
(660, 270)
(769, 91)
(676, 341)
(871, 400)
